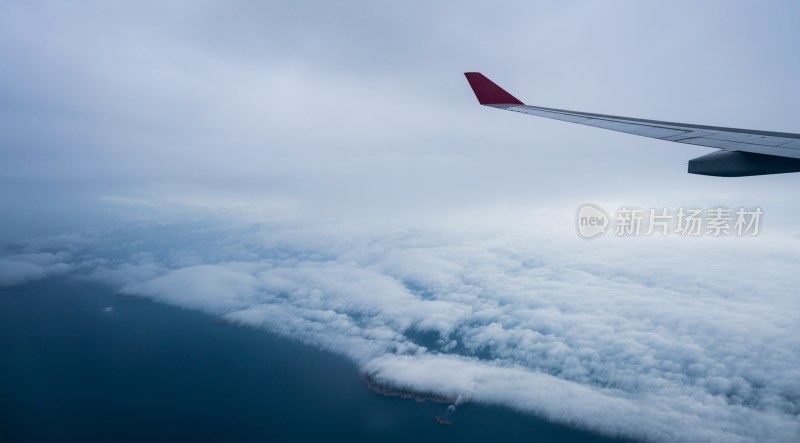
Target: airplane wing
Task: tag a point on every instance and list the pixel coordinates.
(743, 152)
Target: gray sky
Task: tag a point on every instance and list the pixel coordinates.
(362, 104)
(322, 170)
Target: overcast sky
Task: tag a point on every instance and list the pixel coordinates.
(334, 179)
(350, 104)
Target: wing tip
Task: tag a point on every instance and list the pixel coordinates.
(488, 92)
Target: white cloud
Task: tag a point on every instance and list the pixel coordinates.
(213, 288)
(25, 268)
(663, 339)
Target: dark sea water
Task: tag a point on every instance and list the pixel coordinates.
(72, 372)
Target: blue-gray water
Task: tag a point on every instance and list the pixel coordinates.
(72, 372)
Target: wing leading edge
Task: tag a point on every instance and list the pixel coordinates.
(744, 152)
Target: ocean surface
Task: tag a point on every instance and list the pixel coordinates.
(78, 363)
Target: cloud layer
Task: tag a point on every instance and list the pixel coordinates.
(692, 340)
(24, 268)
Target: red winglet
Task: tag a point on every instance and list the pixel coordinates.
(488, 92)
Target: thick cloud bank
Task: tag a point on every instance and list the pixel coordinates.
(658, 339)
